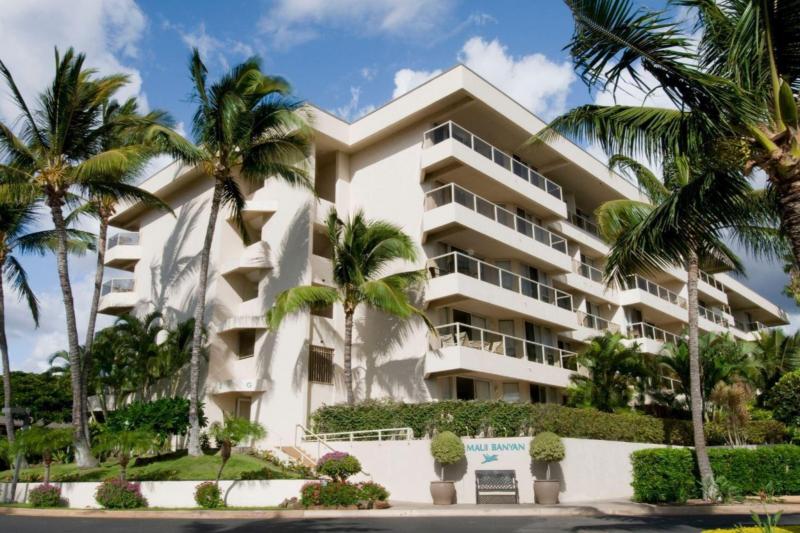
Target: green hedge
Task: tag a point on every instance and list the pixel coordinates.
(670, 475)
(513, 419)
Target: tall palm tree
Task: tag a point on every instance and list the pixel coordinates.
(361, 252)
(58, 154)
(777, 354)
(738, 88)
(247, 124)
(616, 371)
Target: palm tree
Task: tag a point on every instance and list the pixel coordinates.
(126, 445)
(738, 88)
(776, 354)
(230, 433)
(246, 124)
(44, 441)
(616, 371)
(57, 155)
(361, 252)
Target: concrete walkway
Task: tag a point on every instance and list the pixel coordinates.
(400, 509)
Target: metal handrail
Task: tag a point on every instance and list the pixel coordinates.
(638, 282)
(458, 263)
(494, 342)
(404, 433)
(451, 130)
(123, 238)
(585, 223)
(711, 280)
(117, 285)
(713, 316)
(599, 323)
(453, 193)
(588, 271)
(648, 331)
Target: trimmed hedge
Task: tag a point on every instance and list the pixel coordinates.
(471, 418)
(670, 475)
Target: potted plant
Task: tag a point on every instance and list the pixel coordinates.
(547, 448)
(446, 449)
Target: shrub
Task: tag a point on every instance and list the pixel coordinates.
(208, 496)
(118, 494)
(670, 475)
(46, 496)
(784, 399)
(164, 417)
(372, 492)
(447, 448)
(547, 448)
(338, 465)
(335, 494)
(255, 475)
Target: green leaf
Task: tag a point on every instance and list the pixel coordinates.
(788, 104)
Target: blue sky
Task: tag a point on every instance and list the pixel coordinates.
(347, 56)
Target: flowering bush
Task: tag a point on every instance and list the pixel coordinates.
(309, 493)
(208, 496)
(45, 496)
(372, 492)
(338, 465)
(118, 494)
(341, 494)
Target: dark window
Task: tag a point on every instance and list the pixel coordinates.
(247, 343)
(538, 394)
(465, 389)
(320, 363)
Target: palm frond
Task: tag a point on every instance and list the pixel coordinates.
(297, 299)
(18, 279)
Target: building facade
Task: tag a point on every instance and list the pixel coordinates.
(506, 234)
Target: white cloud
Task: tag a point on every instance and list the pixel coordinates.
(293, 22)
(107, 31)
(351, 109)
(407, 79)
(368, 73)
(535, 81)
(212, 48)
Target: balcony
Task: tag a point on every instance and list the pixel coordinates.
(321, 209)
(589, 280)
(712, 288)
(479, 286)
(583, 230)
(117, 296)
(591, 326)
(256, 213)
(663, 303)
(252, 262)
(452, 207)
(712, 320)
(448, 142)
(650, 338)
(123, 251)
(321, 270)
(460, 348)
(240, 322)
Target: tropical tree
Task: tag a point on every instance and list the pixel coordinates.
(617, 370)
(737, 88)
(57, 155)
(230, 433)
(44, 441)
(776, 354)
(125, 445)
(362, 251)
(247, 125)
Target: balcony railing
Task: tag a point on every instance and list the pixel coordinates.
(588, 271)
(585, 223)
(452, 193)
(644, 330)
(749, 327)
(638, 282)
(714, 316)
(459, 334)
(451, 130)
(599, 323)
(458, 263)
(125, 238)
(711, 280)
(117, 285)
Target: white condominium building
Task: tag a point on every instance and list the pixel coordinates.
(506, 233)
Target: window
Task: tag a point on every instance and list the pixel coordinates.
(320, 365)
(472, 389)
(323, 311)
(243, 408)
(247, 343)
(538, 393)
(482, 390)
(510, 392)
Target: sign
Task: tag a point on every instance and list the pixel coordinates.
(492, 450)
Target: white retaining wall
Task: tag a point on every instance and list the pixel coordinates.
(593, 470)
(178, 494)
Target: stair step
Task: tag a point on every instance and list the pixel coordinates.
(298, 455)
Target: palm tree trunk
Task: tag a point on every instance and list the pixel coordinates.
(789, 201)
(98, 283)
(695, 383)
(199, 315)
(348, 361)
(83, 452)
(9, 418)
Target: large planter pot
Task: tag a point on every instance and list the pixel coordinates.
(545, 491)
(443, 492)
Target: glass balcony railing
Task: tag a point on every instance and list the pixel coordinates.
(588, 271)
(451, 130)
(714, 316)
(125, 238)
(644, 330)
(117, 285)
(749, 327)
(458, 263)
(711, 280)
(459, 334)
(585, 223)
(599, 323)
(638, 282)
(452, 193)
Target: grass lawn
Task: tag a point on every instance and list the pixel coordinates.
(158, 469)
(753, 529)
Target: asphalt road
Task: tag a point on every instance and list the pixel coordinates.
(14, 524)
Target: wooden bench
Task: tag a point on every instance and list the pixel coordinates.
(496, 486)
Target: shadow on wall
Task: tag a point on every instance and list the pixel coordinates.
(289, 270)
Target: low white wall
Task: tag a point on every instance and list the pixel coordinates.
(177, 494)
(592, 470)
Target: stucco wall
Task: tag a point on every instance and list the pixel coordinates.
(178, 494)
(592, 470)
